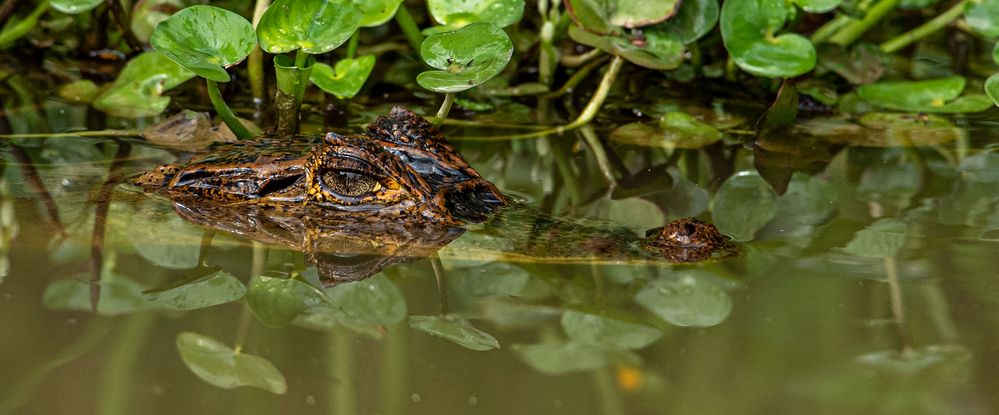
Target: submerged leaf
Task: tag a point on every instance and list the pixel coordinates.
(276, 301)
(374, 300)
(688, 299)
(118, 296)
(743, 204)
(556, 358)
(883, 238)
(205, 40)
(675, 130)
(456, 329)
(219, 287)
(314, 26)
(224, 367)
(346, 79)
(992, 88)
(465, 57)
(591, 328)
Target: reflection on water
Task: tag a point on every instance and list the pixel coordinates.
(865, 284)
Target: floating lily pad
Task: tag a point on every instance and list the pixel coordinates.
(219, 287)
(883, 238)
(694, 19)
(346, 78)
(675, 130)
(455, 14)
(456, 329)
(559, 357)
(608, 16)
(374, 300)
(900, 130)
(688, 299)
(465, 57)
(743, 204)
(277, 301)
(659, 47)
(74, 6)
(377, 12)
(314, 26)
(222, 366)
(982, 16)
(205, 40)
(748, 28)
(138, 91)
(592, 328)
(80, 91)
(936, 95)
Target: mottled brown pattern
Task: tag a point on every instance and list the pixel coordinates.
(689, 240)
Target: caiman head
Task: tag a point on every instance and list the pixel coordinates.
(402, 167)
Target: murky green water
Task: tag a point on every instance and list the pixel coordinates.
(868, 286)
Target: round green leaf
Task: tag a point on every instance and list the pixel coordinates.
(743, 204)
(883, 238)
(147, 14)
(688, 299)
(277, 301)
(982, 16)
(377, 12)
(222, 366)
(119, 296)
(591, 328)
(346, 78)
(79, 91)
(455, 329)
(205, 39)
(314, 26)
(74, 6)
(139, 88)
(219, 287)
(694, 19)
(661, 48)
(466, 57)
(374, 300)
(604, 17)
(556, 358)
(748, 28)
(458, 13)
(935, 95)
(817, 6)
(992, 88)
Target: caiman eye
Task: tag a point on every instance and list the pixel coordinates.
(351, 184)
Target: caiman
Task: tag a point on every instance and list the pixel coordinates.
(358, 203)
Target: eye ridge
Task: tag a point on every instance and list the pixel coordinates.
(351, 183)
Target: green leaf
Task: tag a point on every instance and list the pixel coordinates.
(817, 6)
(465, 58)
(748, 28)
(147, 14)
(118, 296)
(491, 279)
(556, 358)
(992, 88)
(205, 39)
(694, 19)
(224, 367)
(277, 301)
(377, 12)
(982, 16)
(604, 17)
(346, 79)
(589, 328)
(743, 204)
(660, 49)
(455, 329)
(688, 299)
(314, 26)
(79, 91)
(74, 6)
(219, 287)
(374, 300)
(935, 95)
(883, 238)
(456, 14)
(861, 64)
(808, 200)
(139, 88)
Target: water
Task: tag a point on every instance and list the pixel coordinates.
(868, 286)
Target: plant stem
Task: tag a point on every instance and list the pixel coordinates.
(856, 28)
(576, 60)
(256, 59)
(300, 58)
(121, 18)
(409, 27)
(827, 30)
(576, 78)
(599, 154)
(925, 29)
(589, 112)
(98, 134)
(223, 110)
(22, 27)
(445, 108)
(352, 44)
(441, 276)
